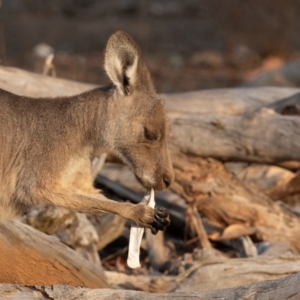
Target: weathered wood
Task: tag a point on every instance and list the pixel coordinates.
(292, 187)
(230, 101)
(237, 272)
(228, 137)
(140, 282)
(274, 261)
(278, 183)
(25, 83)
(28, 256)
(225, 201)
(283, 288)
(220, 101)
(196, 225)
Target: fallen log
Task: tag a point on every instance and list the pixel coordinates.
(229, 101)
(217, 101)
(283, 288)
(219, 274)
(28, 256)
(237, 138)
(29, 84)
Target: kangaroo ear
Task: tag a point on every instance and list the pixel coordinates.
(121, 61)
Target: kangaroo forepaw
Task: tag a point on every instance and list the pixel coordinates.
(155, 219)
(160, 221)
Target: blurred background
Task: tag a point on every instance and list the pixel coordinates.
(188, 44)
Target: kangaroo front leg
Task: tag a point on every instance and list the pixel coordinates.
(141, 214)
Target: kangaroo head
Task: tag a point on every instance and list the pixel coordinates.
(138, 126)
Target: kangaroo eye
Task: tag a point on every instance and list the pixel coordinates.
(150, 136)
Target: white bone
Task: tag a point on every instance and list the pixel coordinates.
(136, 234)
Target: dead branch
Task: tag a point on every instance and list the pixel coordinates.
(196, 225)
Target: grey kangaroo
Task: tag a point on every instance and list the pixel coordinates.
(47, 144)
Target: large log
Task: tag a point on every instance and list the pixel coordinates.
(221, 101)
(259, 137)
(284, 288)
(29, 84)
(229, 101)
(220, 274)
(28, 256)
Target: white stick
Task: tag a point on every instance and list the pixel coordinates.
(136, 234)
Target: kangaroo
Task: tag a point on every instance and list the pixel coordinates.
(47, 144)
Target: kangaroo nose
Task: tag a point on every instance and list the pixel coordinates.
(167, 180)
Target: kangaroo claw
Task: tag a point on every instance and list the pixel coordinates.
(161, 220)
